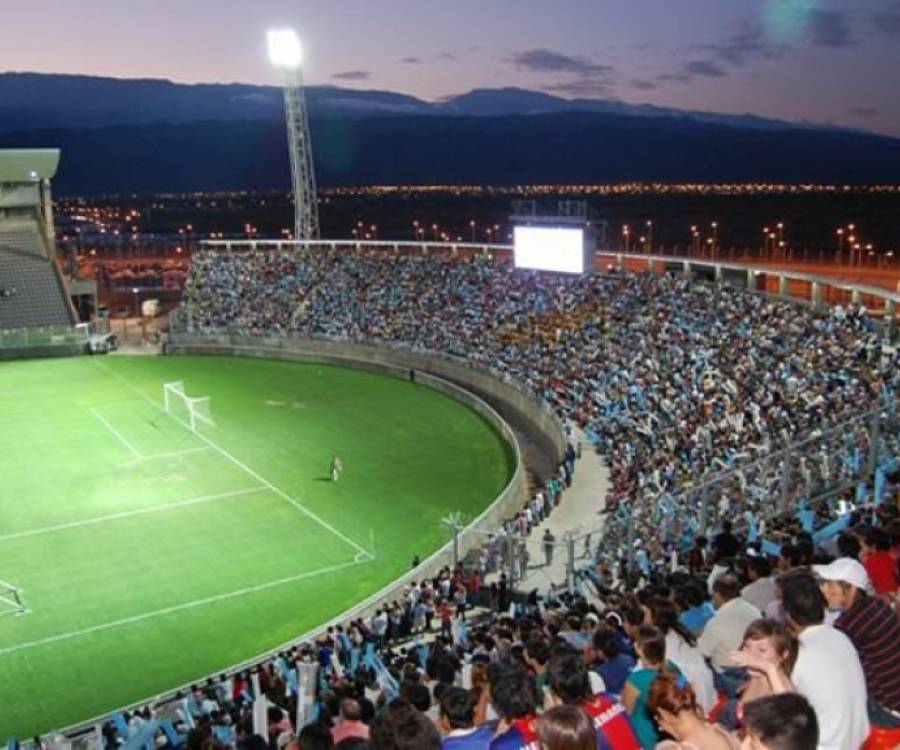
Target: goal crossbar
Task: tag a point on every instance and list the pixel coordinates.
(189, 410)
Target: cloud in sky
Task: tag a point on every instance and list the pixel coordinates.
(642, 84)
(411, 60)
(863, 112)
(705, 68)
(577, 75)
(887, 20)
(353, 75)
(545, 61)
(829, 28)
(581, 87)
(674, 77)
(746, 43)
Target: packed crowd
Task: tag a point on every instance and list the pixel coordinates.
(721, 641)
(733, 650)
(673, 380)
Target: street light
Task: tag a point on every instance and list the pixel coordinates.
(472, 227)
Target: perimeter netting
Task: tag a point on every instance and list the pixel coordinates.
(189, 410)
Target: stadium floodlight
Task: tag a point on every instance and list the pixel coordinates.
(286, 54)
(284, 49)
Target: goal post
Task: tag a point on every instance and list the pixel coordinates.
(12, 602)
(189, 410)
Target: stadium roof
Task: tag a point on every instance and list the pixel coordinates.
(28, 164)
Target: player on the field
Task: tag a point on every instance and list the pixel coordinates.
(336, 468)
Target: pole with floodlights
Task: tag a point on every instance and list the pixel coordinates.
(286, 54)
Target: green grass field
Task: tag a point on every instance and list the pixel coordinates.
(150, 556)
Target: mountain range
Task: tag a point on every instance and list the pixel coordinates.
(142, 135)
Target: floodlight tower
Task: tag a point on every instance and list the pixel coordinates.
(286, 55)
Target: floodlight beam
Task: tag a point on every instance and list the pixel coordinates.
(285, 51)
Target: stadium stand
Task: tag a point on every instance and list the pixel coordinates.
(673, 380)
(666, 638)
(32, 291)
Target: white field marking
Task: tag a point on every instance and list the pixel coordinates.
(175, 608)
(4, 584)
(121, 438)
(281, 493)
(173, 454)
(15, 609)
(129, 514)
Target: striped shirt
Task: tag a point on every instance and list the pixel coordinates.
(874, 629)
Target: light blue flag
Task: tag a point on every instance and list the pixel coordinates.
(224, 733)
(463, 633)
(384, 678)
(13, 743)
(293, 682)
(354, 660)
(770, 548)
(831, 530)
(143, 739)
(122, 725)
(861, 493)
(880, 480)
(806, 519)
(752, 529)
(176, 739)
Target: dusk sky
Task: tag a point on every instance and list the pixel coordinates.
(832, 61)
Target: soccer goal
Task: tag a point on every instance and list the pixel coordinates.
(11, 600)
(189, 410)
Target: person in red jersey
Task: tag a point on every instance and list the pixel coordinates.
(514, 697)
(880, 565)
(570, 684)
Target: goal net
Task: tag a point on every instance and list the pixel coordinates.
(11, 600)
(189, 410)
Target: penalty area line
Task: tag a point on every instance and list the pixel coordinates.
(173, 454)
(118, 435)
(241, 465)
(175, 608)
(129, 514)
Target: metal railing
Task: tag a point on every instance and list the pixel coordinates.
(13, 338)
(754, 491)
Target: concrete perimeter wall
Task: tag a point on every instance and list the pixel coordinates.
(41, 350)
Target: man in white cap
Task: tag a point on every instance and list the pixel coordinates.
(874, 629)
(828, 672)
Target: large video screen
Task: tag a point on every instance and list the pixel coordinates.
(549, 249)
